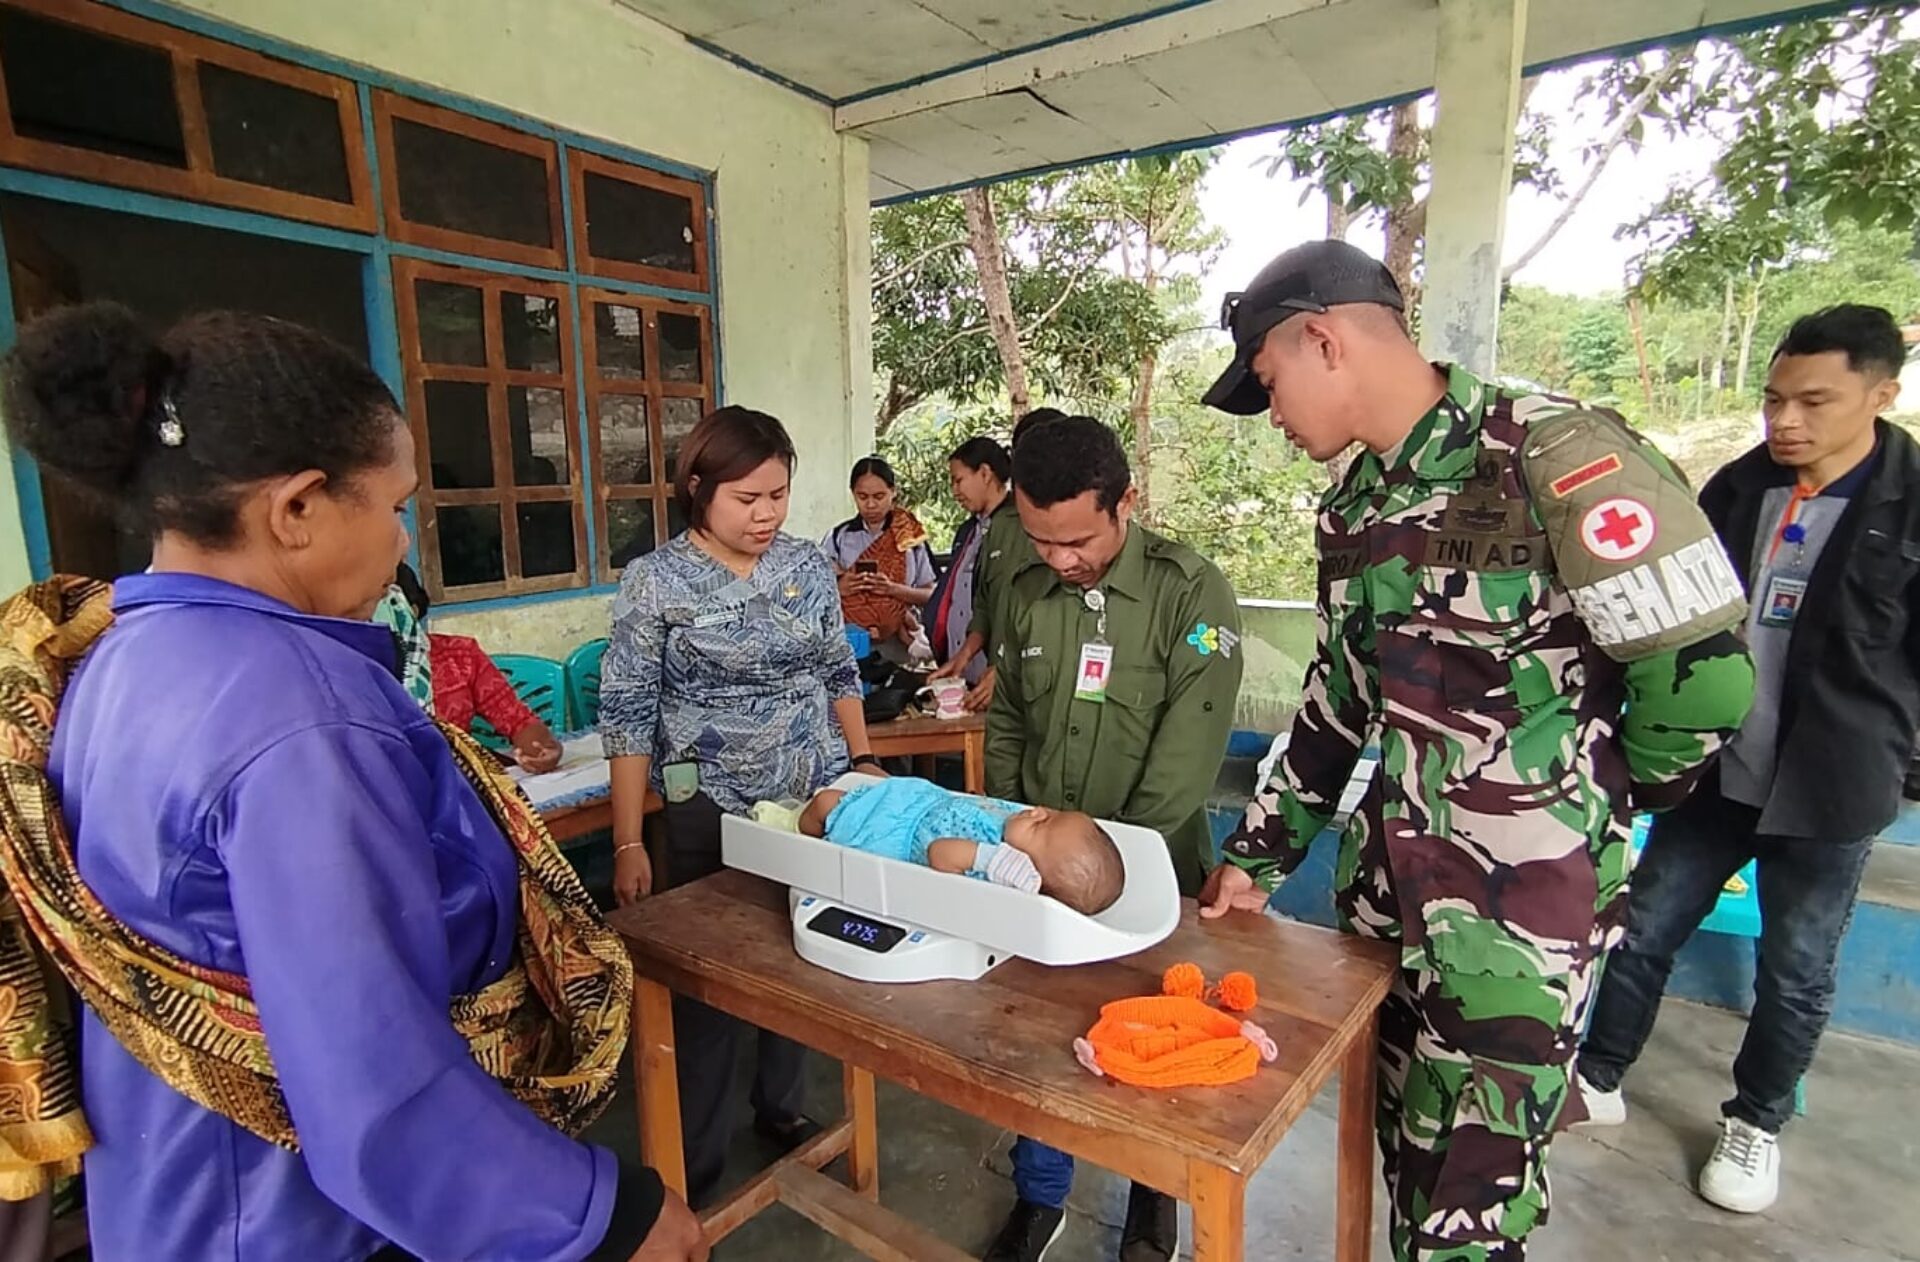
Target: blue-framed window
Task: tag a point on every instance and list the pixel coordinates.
(542, 302)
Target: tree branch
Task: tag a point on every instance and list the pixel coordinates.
(1617, 136)
(882, 281)
(952, 341)
(983, 236)
(1039, 321)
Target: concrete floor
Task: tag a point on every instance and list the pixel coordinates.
(1619, 1193)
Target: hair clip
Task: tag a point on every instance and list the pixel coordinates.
(172, 432)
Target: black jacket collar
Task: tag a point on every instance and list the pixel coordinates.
(1897, 467)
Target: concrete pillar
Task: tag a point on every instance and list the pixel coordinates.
(1477, 64)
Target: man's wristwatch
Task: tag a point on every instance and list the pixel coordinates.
(863, 759)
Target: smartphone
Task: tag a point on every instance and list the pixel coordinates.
(866, 567)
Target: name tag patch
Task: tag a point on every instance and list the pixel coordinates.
(1452, 550)
(1586, 475)
(1343, 562)
(1661, 596)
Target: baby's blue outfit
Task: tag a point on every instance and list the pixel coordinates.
(901, 817)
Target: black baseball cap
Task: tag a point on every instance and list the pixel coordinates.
(1310, 277)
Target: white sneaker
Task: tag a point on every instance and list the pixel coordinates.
(1743, 1174)
(1604, 1108)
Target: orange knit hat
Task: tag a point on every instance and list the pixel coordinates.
(1174, 1039)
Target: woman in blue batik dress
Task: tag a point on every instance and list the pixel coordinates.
(728, 681)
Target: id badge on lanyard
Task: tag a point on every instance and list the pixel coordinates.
(1781, 602)
(1091, 676)
(1786, 588)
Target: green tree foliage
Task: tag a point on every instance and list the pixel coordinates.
(1376, 164)
(1694, 338)
(1817, 121)
(1083, 327)
(1814, 201)
(1231, 487)
(1597, 343)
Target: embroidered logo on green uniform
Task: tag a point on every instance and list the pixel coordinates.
(1207, 640)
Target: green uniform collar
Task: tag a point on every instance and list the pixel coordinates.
(1128, 573)
(1442, 445)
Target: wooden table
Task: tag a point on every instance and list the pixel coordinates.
(570, 823)
(901, 738)
(1000, 1049)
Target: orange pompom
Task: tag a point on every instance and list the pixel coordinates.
(1185, 981)
(1238, 993)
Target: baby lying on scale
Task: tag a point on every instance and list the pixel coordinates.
(1062, 854)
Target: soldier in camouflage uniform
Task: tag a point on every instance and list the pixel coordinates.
(1522, 606)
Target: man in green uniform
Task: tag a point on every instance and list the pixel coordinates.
(1119, 664)
(1004, 552)
(1522, 605)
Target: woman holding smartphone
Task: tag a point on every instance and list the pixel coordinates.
(728, 681)
(881, 557)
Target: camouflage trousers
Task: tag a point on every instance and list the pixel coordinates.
(1475, 1077)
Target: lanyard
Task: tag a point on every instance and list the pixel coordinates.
(1791, 531)
(1096, 601)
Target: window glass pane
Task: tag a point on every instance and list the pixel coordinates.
(633, 223)
(459, 441)
(629, 531)
(530, 331)
(270, 133)
(679, 347)
(470, 551)
(537, 424)
(618, 342)
(451, 323)
(73, 87)
(677, 419)
(676, 520)
(546, 539)
(467, 185)
(624, 441)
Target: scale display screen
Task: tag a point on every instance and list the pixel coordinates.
(837, 922)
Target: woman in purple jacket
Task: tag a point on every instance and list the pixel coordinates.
(248, 788)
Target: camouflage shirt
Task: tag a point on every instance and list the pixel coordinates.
(1493, 593)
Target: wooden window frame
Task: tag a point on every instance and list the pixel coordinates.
(198, 181)
(580, 164)
(656, 391)
(497, 377)
(389, 106)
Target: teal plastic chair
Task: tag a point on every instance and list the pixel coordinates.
(541, 683)
(583, 684)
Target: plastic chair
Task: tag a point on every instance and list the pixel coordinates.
(541, 682)
(862, 645)
(583, 684)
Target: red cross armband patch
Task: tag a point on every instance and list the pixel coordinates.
(1642, 565)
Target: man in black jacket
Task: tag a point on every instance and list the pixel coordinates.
(1824, 522)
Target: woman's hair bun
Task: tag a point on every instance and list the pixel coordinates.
(81, 391)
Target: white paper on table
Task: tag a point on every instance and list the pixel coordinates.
(583, 768)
